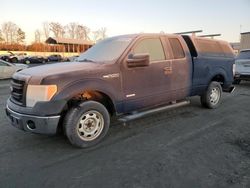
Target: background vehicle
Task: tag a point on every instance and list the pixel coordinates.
(73, 58)
(34, 60)
(55, 57)
(8, 69)
(128, 76)
(242, 62)
(13, 58)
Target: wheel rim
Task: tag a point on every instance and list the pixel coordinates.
(90, 125)
(215, 96)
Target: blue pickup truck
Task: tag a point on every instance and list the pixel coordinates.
(127, 76)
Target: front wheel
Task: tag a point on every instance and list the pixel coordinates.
(212, 97)
(86, 124)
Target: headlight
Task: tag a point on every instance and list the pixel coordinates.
(37, 93)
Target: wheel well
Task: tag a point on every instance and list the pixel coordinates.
(219, 78)
(94, 96)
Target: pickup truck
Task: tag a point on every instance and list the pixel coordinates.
(127, 76)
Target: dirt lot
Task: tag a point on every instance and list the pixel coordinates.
(186, 147)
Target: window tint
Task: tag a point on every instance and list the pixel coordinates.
(151, 46)
(228, 51)
(209, 47)
(176, 48)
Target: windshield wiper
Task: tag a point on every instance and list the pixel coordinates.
(86, 60)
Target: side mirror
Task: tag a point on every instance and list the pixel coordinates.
(138, 60)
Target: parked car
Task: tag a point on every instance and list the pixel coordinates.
(55, 57)
(242, 70)
(13, 57)
(128, 76)
(8, 69)
(73, 58)
(9, 58)
(34, 60)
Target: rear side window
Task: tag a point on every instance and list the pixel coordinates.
(209, 48)
(176, 48)
(228, 51)
(151, 46)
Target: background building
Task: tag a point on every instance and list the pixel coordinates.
(245, 41)
(68, 45)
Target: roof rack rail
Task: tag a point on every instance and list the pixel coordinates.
(210, 35)
(189, 32)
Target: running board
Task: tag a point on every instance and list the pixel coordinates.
(138, 115)
(230, 89)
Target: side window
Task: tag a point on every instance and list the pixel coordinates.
(176, 48)
(151, 46)
(209, 47)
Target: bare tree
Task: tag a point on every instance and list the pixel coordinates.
(20, 36)
(46, 30)
(82, 32)
(38, 34)
(72, 29)
(1, 36)
(57, 29)
(9, 30)
(100, 34)
(103, 32)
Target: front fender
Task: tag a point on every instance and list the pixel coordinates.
(113, 90)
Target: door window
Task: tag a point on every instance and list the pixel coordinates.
(176, 48)
(151, 46)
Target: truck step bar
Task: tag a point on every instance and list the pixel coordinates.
(229, 90)
(138, 115)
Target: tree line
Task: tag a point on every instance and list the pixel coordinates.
(12, 37)
(72, 30)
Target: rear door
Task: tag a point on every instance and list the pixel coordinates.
(181, 76)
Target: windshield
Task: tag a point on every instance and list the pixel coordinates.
(244, 55)
(106, 50)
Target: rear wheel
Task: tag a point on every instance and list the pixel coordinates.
(14, 60)
(212, 97)
(86, 125)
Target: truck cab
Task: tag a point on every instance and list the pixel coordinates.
(126, 76)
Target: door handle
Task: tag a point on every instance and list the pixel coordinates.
(168, 70)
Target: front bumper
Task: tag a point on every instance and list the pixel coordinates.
(36, 124)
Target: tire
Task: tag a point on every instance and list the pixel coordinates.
(236, 82)
(14, 60)
(212, 97)
(86, 124)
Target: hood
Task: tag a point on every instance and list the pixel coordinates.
(59, 68)
(20, 66)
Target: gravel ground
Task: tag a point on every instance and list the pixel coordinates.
(185, 147)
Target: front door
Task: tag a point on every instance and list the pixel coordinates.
(148, 86)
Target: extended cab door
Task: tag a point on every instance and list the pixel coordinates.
(147, 86)
(181, 76)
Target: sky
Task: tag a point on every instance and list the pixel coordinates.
(227, 17)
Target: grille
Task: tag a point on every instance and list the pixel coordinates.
(17, 91)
